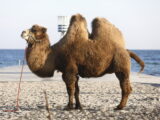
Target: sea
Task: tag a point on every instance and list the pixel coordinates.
(151, 58)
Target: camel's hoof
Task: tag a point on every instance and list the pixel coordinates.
(119, 107)
(79, 107)
(68, 108)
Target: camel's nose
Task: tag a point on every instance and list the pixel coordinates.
(23, 33)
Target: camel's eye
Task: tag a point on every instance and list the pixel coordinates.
(33, 30)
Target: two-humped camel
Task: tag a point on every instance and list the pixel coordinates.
(80, 54)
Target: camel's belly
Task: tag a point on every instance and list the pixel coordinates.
(94, 63)
(85, 71)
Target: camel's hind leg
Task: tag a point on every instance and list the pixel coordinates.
(125, 87)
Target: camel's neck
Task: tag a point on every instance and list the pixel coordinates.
(40, 59)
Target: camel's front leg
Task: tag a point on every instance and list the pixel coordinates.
(70, 81)
(78, 104)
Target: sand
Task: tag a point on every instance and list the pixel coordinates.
(99, 97)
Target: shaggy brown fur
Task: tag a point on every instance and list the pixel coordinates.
(77, 25)
(76, 55)
(106, 29)
(113, 34)
(39, 55)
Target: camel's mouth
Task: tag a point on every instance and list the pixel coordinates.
(28, 36)
(25, 34)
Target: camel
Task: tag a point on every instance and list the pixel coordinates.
(78, 55)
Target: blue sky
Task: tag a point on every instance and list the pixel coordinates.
(139, 20)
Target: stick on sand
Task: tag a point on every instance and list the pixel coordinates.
(47, 106)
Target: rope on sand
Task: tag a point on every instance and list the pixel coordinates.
(18, 92)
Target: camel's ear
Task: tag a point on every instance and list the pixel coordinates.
(44, 30)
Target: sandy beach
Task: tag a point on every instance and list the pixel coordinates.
(99, 97)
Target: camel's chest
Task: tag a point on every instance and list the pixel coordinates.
(36, 60)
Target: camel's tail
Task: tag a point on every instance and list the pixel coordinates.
(137, 59)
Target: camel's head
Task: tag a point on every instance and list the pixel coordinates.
(35, 34)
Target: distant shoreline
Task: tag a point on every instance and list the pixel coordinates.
(12, 74)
